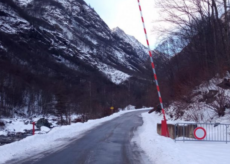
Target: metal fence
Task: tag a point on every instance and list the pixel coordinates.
(215, 132)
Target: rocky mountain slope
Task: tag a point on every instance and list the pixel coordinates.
(59, 53)
(138, 47)
(71, 30)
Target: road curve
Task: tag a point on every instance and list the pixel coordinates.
(108, 143)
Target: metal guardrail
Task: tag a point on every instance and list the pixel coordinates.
(215, 132)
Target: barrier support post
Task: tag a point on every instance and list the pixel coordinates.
(164, 126)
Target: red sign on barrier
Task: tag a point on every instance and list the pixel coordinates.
(200, 133)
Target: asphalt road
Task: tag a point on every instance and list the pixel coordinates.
(108, 143)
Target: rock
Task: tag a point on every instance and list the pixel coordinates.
(2, 124)
(43, 122)
(26, 122)
(54, 119)
(225, 84)
(209, 97)
(227, 106)
(83, 118)
(187, 99)
(152, 110)
(158, 108)
(63, 122)
(195, 94)
(76, 120)
(19, 134)
(7, 139)
(211, 93)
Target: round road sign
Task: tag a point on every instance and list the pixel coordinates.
(199, 133)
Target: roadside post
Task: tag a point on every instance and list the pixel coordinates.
(111, 108)
(164, 126)
(33, 128)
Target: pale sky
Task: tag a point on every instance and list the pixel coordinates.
(125, 14)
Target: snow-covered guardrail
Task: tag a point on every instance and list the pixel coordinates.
(212, 132)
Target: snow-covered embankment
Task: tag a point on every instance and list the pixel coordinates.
(162, 150)
(52, 141)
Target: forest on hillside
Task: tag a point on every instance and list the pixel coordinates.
(198, 43)
(42, 72)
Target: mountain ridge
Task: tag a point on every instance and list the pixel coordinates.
(61, 48)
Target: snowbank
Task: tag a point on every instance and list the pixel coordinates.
(21, 124)
(162, 150)
(204, 104)
(54, 140)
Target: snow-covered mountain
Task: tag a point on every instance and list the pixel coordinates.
(138, 47)
(72, 32)
(59, 55)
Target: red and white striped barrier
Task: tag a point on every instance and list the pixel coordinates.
(164, 127)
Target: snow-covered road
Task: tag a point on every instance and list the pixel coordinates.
(108, 143)
(156, 149)
(55, 140)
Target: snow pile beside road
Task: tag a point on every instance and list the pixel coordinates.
(54, 140)
(3, 133)
(208, 102)
(21, 124)
(162, 150)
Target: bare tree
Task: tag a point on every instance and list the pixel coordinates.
(190, 18)
(222, 101)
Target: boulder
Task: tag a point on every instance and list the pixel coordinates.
(152, 110)
(209, 97)
(43, 122)
(158, 108)
(26, 122)
(8, 139)
(2, 124)
(211, 93)
(225, 84)
(76, 120)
